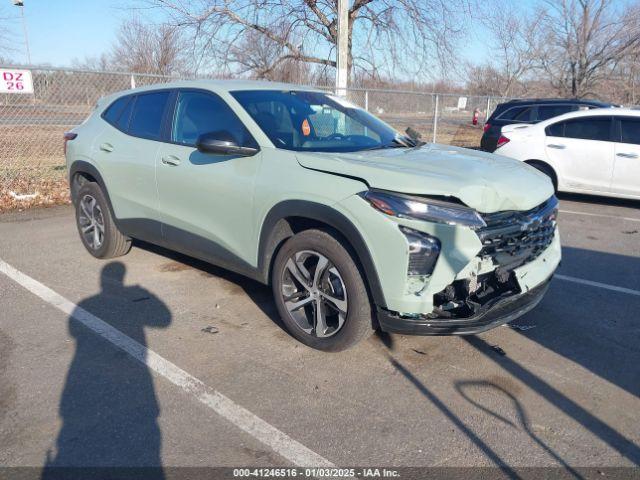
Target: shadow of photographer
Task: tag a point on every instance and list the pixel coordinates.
(108, 407)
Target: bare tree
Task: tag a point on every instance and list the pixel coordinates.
(7, 48)
(585, 41)
(415, 35)
(516, 45)
(261, 58)
(99, 63)
(487, 80)
(146, 48)
(629, 71)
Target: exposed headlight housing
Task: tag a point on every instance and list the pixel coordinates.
(424, 250)
(419, 208)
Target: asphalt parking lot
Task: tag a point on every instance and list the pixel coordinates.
(200, 373)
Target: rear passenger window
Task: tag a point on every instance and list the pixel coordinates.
(199, 112)
(146, 118)
(591, 128)
(630, 130)
(113, 111)
(549, 111)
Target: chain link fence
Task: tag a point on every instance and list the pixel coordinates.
(32, 167)
(439, 118)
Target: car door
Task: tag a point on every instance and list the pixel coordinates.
(581, 151)
(125, 152)
(626, 170)
(206, 199)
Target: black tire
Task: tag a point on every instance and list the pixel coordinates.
(548, 171)
(357, 322)
(114, 243)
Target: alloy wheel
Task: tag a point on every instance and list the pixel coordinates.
(91, 222)
(314, 293)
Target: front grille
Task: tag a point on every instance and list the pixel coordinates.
(513, 238)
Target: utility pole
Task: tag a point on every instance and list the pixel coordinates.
(342, 47)
(20, 3)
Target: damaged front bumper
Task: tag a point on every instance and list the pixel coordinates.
(494, 313)
(523, 291)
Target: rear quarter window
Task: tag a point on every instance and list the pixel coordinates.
(125, 116)
(113, 111)
(555, 130)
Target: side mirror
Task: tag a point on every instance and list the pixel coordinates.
(222, 143)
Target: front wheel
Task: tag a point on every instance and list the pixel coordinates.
(320, 293)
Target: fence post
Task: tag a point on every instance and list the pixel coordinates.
(435, 118)
(486, 114)
(133, 82)
(366, 100)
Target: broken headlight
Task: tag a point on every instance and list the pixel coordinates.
(419, 208)
(424, 250)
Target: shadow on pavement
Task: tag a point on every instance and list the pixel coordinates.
(593, 327)
(467, 388)
(108, 408)
(260, 294)
(600, 200)
(440, 405)
(569, 407)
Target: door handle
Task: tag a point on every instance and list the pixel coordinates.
(627, 155)
(171, 160)
(555, 145)
(106, 147)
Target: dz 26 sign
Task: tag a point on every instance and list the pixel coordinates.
(15, 81)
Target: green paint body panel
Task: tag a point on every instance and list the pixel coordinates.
(224, 200)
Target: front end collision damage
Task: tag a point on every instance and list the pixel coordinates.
(482, 278)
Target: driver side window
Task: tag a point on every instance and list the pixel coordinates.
(198, 113)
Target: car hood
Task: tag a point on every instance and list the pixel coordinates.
(483, 181)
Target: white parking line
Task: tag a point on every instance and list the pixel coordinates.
(591, 283)
(269, 435)
(573, 212)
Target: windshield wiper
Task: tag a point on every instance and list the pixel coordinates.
(411, 140)
(398, 141)
(414, 137)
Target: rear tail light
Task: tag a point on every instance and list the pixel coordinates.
(68, 136)
(502, 141)
(486, 127)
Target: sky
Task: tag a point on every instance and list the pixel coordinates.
(60, 31)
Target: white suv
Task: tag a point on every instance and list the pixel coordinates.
(594, 151)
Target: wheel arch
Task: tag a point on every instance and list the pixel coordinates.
(291, 216)
(81, 171)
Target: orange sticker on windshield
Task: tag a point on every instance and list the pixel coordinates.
(306, 128)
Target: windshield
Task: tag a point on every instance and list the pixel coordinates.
(316, 122)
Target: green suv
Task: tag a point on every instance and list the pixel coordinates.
(355, 226)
